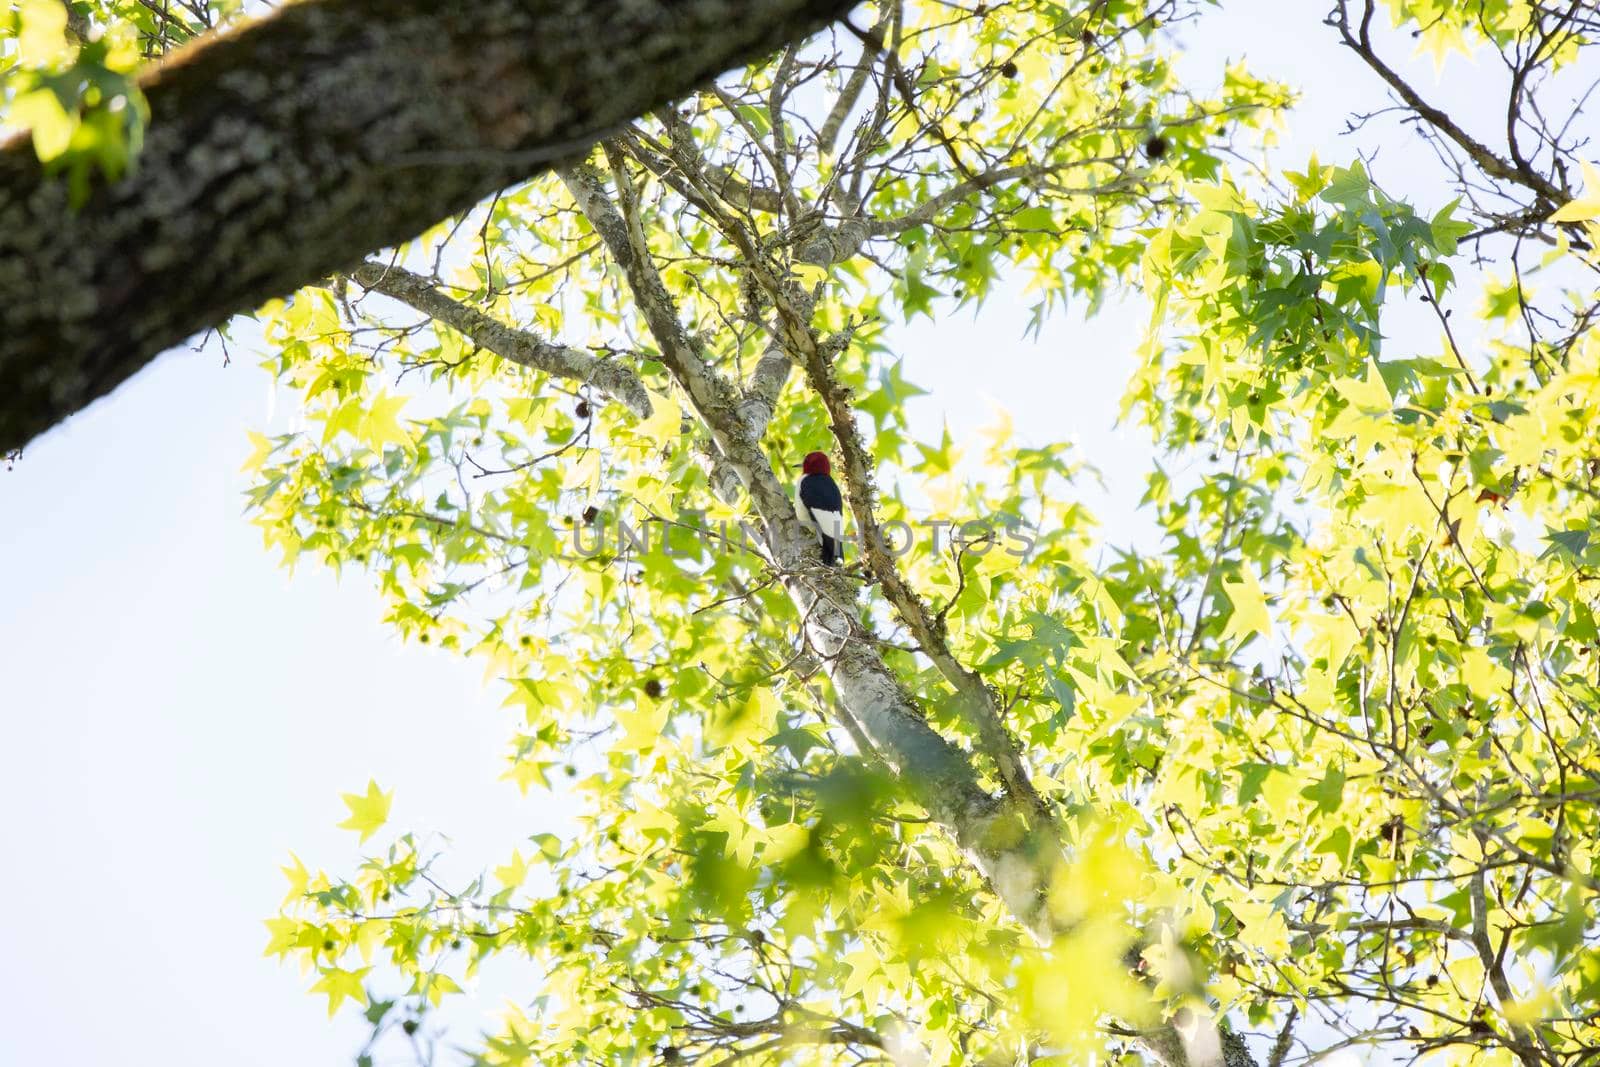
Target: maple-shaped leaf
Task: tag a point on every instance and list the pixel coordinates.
(642, 724)
(298, 877)
(1250, 615)
(514, 873)
(381, 423)
(665, 421)
(367, 812)
(341, 984)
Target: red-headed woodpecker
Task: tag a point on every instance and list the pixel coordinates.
(820, 507)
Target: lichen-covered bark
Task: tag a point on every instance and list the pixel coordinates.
(1199, 1043)
(295, 146)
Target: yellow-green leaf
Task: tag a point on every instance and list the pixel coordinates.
(367, 812)
(341, 985)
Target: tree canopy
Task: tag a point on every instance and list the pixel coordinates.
(1320, 771)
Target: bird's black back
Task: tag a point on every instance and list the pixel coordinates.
(821, 492)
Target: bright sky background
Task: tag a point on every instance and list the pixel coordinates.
(180, 712)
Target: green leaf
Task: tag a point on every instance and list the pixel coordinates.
(1570, 543)
(1349, 187)
(1328, 793)
(1251, 776)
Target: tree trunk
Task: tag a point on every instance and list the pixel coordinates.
(292, 148)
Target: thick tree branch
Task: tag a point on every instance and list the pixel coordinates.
(289, 150)
(679, 352)
(742, 194)
(523, 347)
(1201, 1043)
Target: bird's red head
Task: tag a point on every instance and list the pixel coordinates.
(816, 463)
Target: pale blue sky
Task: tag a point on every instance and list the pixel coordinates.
(180, 712)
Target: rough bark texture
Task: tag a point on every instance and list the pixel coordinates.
(292, 148)
(1200, 1043)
